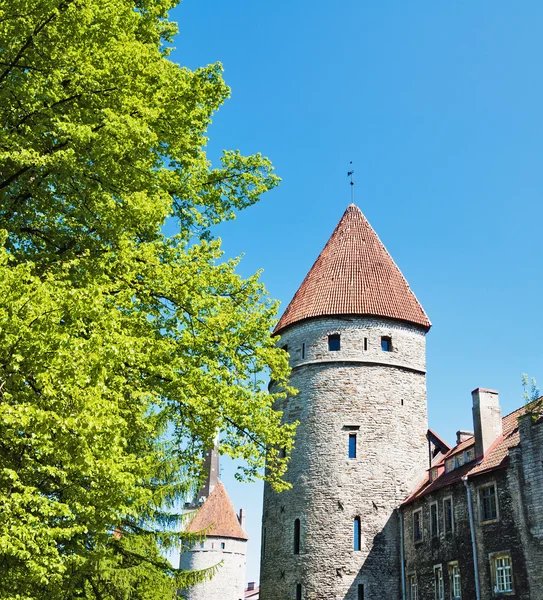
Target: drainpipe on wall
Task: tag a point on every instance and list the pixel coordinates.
(402, 553)
(473, 542)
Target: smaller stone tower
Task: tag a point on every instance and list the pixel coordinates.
(225, 542)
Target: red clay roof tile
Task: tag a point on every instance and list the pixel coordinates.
(495, 458)
(218, 516)
(354, 275)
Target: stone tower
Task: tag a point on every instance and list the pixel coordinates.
(356, 337)
(225, 542)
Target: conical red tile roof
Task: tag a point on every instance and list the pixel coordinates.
(218, 516)
(354, 275)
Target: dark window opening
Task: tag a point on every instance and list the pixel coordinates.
(334, 342)
(352, 445)
(297, 536)
(489, 508)
(356, 534)
(434, 522)
(365, 348)
(448, 515)
(402, 401)
(417, 526)
(360, 591)
(386, 344)
(298, 591)
(223, 545)
(285, 347)
(303, 350)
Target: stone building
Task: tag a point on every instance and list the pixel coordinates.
(356, 337)
(224, 545)
(474, 527)
(378, 507)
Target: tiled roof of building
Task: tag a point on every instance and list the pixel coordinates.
(354, 275)
(495, 458)
(217, 516)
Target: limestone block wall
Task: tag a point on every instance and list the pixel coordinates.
(379, 396)
(229, 555)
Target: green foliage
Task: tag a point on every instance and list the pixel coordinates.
(122, 351)
(530, 390)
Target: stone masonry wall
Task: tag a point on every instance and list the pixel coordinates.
(525, 478)
(380, 396)
(228, 582)
(498, 536)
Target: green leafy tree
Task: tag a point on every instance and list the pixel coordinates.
(122, 351)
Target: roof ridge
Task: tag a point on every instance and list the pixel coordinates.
(217, 516)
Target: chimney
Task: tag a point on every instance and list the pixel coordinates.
(487, 419)
(463, 435)
(250, 586)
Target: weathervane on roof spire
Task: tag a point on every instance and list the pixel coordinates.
(350, 174)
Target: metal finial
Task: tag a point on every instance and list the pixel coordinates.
(350, 174)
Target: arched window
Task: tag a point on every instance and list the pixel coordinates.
(297, 536)
(356, 534)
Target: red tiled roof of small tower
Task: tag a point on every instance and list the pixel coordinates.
(218, 516)
(354, 275)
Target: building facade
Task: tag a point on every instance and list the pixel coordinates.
(356, 337)
(473, 528)
(380, 507)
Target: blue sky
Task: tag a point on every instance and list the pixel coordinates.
(438, 105)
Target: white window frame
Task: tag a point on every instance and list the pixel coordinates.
(480, 489)
(439, 585)
(413, 586)
(452, 515)
(434, 534)
(455, 580)
(497, 581)
(421, 539)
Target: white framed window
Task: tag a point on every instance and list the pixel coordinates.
(434, 520)
(439, 586)
(413, 588)
(417, 526)
(488, 503)
(455, 581)
(448, 515)
(458, 460)
(501, 568)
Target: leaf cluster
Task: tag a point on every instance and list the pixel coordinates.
(122, 351)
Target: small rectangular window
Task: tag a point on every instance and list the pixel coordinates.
(297, 536)
(417, 525)
(365, 343)
(448, 515)
(488, 504)
(502, 573)
(360, 591)
(439, 587)
(223, 545)
(386, 344)
(334, 342)
(298, 591)
(357, 537)
(352, 445)
(303, 350)
(434, 520)
(413, 588)
(455, 581)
